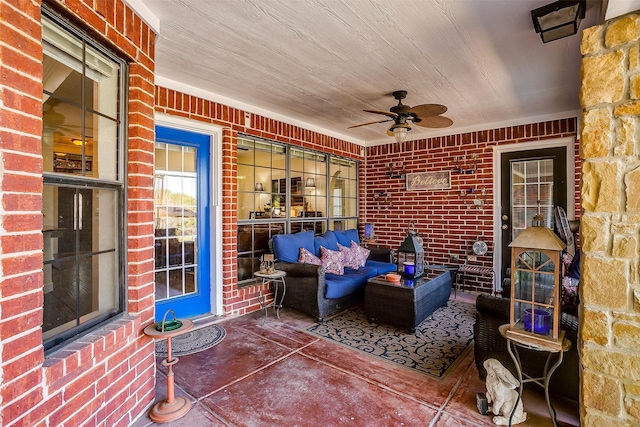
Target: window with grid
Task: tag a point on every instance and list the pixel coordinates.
(83, 103)
(287, 189)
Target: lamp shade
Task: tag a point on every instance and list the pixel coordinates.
(557, 20)
(259, 186)
(310, 183)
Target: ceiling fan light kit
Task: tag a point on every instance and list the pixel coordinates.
(425, 115)
(557, 20)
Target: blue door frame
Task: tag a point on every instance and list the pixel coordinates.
(198, 302)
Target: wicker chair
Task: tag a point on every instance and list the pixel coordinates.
(493, 311)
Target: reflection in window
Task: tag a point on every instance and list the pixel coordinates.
(286, 189)
(83, 111)
(531, 193)
(176, 230)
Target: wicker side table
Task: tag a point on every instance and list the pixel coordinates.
(409, 302)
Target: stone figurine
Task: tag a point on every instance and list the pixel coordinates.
(502, 394)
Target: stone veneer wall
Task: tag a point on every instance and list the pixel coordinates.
(610, 223)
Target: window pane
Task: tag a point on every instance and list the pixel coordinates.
(82, 105)
(78, 289)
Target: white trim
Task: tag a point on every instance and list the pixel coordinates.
(204, 94)
(215, 219)
(498, 150)
(145, 14)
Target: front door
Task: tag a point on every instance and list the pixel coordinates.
(532, 182)
(181, 193)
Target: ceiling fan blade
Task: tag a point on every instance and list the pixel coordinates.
(428, 110)
(385, 113)
(435, 122)
(370, 123)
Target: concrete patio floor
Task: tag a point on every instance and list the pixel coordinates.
(277, 375)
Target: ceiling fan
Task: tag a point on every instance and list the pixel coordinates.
(424, 115)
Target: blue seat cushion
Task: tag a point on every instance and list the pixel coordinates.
(328, 240)
(352, 280)
(381, 267)
(286, 247)
(346, 236)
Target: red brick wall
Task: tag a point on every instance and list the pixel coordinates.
(447, 224)
(168, 101)
(105, 378)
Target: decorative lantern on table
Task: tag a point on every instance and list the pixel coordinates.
(411, 254)
(536, 255)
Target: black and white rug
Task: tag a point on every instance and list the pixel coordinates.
(191, 342)
(435, 346)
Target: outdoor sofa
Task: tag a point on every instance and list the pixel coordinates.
(309, 288)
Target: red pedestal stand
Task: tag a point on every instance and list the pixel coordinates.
(172, 407)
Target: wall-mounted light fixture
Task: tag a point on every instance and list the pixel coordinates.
(259, 187)
(77, 142)
(557, 20)
(310, 183)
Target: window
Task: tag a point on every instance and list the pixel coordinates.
(286, 189)
(83, 195)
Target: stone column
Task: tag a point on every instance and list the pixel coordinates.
(610, 224)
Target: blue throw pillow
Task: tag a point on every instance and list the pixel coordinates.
(328, 240)
(286, 247)
(346, 236)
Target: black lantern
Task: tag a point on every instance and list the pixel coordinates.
(411, 255)
(557, 20)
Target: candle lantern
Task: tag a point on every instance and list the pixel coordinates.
(411, 254)
(536, 255)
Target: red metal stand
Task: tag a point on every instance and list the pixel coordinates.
(172, 407)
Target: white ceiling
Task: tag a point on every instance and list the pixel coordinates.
(319, 63)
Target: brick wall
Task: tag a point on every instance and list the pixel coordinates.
(169, 101)
(445, 220)
(610, 282)
(105, 378)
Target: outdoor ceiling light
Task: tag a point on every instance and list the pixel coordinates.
(557, 20)
(400, 131)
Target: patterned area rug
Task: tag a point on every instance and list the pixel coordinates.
(191, 342)
(438, 342)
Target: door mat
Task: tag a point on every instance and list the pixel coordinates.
(433, 349)
(191, 342)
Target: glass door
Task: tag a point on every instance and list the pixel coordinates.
(181, 194)
(533, 181)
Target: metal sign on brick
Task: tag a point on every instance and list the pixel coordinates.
(429, 180)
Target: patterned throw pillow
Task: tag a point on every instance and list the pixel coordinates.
(361, 254)
(308, 258)
(349, 256)
(332, 261)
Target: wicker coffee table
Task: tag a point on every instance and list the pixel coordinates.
(409, 302)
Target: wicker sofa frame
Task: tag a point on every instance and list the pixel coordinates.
(306, 287)
(493, 311)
